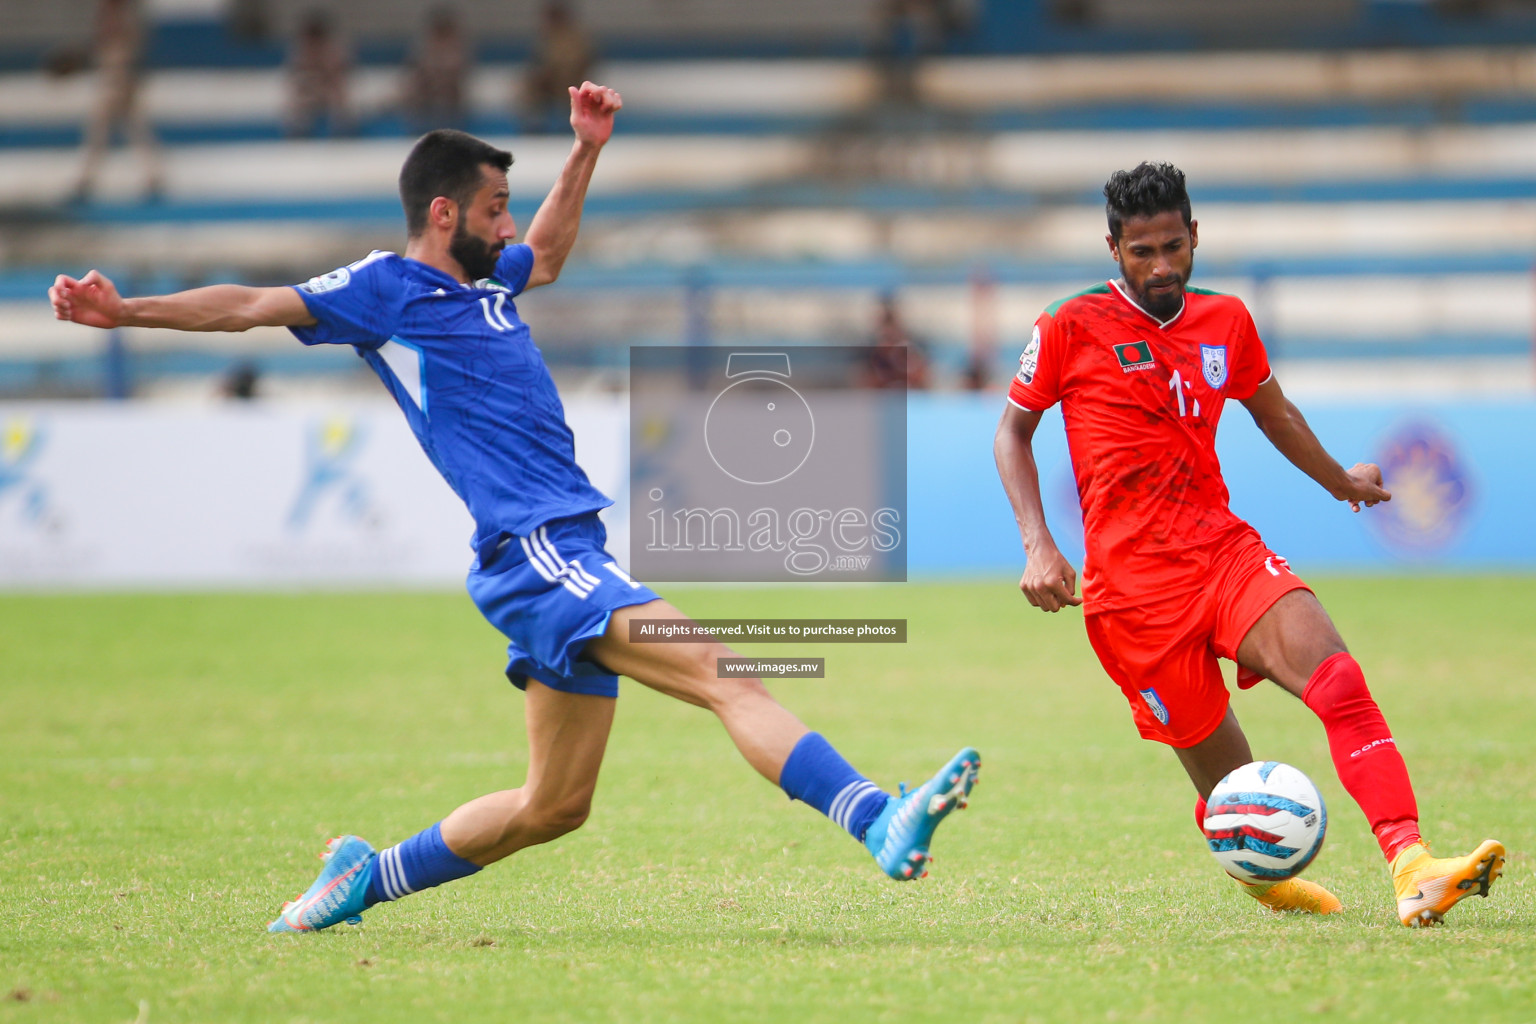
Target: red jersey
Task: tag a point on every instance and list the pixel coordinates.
(1141, 400)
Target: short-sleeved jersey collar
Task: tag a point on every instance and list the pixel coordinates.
(1162, 324)
(441, 276)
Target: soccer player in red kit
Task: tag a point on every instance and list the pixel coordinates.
(1173, 580)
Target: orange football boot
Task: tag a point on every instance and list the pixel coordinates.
(1428, 886)
(1294, 894)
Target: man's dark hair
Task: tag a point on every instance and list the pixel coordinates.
(444, 162)
(1147, 191)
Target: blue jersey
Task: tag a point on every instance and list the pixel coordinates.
(465, 371)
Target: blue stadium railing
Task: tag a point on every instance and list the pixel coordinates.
(873, 197)
(695, 285)
(1477, 110)
(1483, 110)
(892, 275)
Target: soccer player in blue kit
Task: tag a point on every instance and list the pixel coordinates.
(439, 327)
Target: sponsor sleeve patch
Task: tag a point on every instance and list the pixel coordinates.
(1030, 360)
(339, 278)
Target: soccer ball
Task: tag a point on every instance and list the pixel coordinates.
(1265, 822)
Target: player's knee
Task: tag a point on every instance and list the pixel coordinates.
(1312, 637)
(554, 820)
(566, 820)
(704, 663)
(704, 676)
(725, 694)
(1293, 660)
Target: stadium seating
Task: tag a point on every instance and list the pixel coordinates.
(1374, 205)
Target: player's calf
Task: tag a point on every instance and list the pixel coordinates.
(553, 822)
(530, 825)
(497, 825)
(1364, 752)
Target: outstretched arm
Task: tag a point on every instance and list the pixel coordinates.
(93, 301)
(1049, 580)
(1287, 430)
(554, 227)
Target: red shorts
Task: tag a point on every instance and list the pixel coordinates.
(1163, 653)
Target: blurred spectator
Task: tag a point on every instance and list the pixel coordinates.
(982, 355)
(318, 67)
(437, 74)
(562, 57)
(249, 20)
(119, 50)
(241, 382)
(1072, 12)
(950, 18)
(1462, 8)
(898, 40)
(905, 32)
(895, 358)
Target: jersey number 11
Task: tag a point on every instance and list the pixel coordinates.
(1179, 385)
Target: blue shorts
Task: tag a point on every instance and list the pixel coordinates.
(549, 593)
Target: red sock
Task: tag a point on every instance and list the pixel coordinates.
(1364, 753)
(1200, 813)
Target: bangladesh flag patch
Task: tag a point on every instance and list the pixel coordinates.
(1135, 355)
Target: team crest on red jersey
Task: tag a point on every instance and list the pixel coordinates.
(1213, 361)
(1135, 355)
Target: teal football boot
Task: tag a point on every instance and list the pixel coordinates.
(337, 894)
(899, 838)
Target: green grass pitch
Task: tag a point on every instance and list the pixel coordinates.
(171, 764)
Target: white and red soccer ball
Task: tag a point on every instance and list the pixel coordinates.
(1265, 822)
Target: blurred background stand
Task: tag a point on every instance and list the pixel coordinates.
(318, 72)
(921, 178)
(116, 54)
(434, 87)
(563, 56)
(1364, 170)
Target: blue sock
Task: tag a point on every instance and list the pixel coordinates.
(816, 774)
(420, 862)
